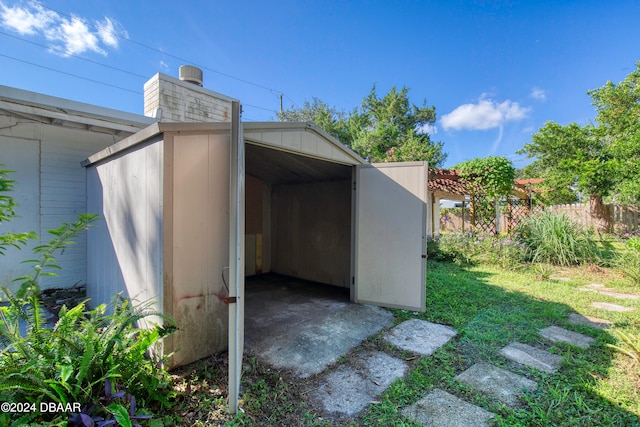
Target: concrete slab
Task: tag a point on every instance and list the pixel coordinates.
(579, 319)
(312, 346)
(441, 409)
(420, 336)
(303, 326)
(503, 385)
(558, 334)
(533, 357)
(603, 290)
(610, 307)
(350, 388)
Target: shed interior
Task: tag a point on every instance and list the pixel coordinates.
(298, 216)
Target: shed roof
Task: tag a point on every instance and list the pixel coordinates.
(63, 112)
(303, 139)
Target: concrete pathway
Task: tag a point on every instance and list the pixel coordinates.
(607, 306)
(441, 409)
(558, 334)
(532, 357)
(603, 290)
(579, 319)
(499, 383)
(313, 345)
(420, 336)
(350, 388)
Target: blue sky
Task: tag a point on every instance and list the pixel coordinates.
(496, 71)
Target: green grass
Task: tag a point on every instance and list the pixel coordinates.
(491, 308)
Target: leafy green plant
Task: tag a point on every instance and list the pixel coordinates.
(543, 271)
(630, 346)
(85, 349)
(629, 260)
(471, 248)
(554, 239)
(7, 212)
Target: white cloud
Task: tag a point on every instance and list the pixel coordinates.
(539, 94)
(27, 20)
(67, 35)
(484, 114)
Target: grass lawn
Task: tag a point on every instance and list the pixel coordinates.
(490, 308)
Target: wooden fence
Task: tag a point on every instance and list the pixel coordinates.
(621, 218)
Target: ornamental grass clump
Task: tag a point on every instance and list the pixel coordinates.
(554, 239)
(629, 260)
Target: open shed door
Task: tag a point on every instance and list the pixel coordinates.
(389, 258)
(236, 256)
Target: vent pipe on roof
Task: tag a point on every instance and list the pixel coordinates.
(191, 74)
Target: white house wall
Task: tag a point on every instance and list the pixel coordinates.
(125, 248)
(54, 154)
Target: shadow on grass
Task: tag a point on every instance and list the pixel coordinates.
(488, 317)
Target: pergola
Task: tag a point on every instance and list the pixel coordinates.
(447, 184)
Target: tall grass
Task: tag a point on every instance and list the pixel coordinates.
(554, 239)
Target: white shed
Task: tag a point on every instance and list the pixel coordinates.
(314, 210)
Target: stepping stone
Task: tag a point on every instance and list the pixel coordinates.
(610, 307)
(350, 388)
(497, 382)
(579, 319)
(441, 409)
(420, 336)
(533, 357)
(558, 334)
(603, 290)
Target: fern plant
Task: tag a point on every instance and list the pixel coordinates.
(86, 349)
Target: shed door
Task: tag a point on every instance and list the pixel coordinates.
(390, 235)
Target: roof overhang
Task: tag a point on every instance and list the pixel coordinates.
(63, 112)
(302, 139)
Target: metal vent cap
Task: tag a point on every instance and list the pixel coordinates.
(191, 74)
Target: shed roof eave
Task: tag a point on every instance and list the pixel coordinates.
(22, 101)
(307, 127)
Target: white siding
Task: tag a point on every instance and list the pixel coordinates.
(21, 156)
(60, 193)
(125, 249)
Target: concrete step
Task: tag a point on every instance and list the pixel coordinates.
(533, 357)
(350, 388)
(499, 383)
(420, 336)
(441, 409)
(558, 334)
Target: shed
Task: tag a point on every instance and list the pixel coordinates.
(174, 196)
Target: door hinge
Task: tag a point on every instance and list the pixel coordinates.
(229, 300)
(424, 256)
(353, 280)
(354, 186)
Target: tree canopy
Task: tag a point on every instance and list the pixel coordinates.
(381, 129)
(598, 160)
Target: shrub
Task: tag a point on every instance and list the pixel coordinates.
(629, 260)
(554, 239)
(469, 248)
(91, 357)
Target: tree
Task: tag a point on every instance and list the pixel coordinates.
(382, 129)
(575, 156)
(392, 129)
(327, 118)
(618, 118)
